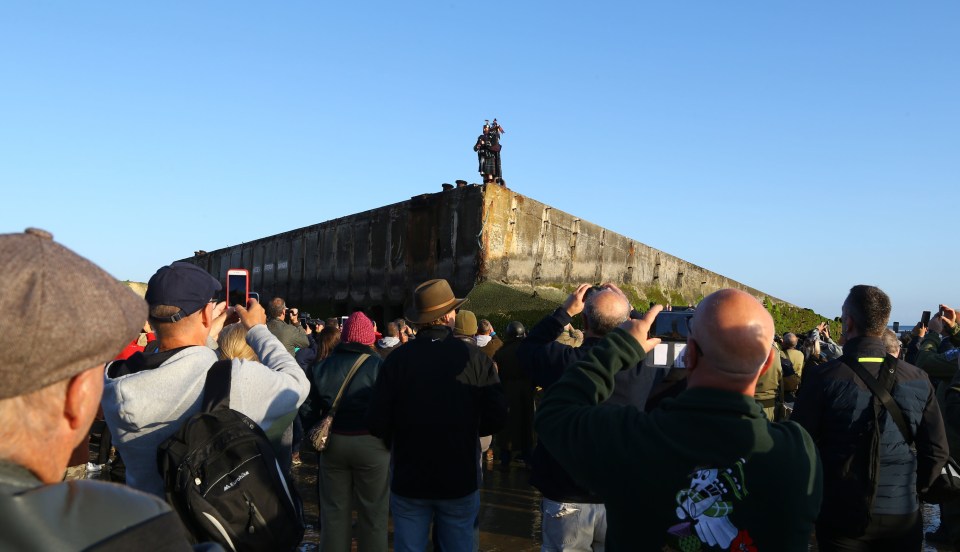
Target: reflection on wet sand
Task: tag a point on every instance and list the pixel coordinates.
(509, 511)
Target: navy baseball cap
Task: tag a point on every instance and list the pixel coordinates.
(182, 285)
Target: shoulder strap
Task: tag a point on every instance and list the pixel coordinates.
(889, 363)
(216, 389)
(346, 382)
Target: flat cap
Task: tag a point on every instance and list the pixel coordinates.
(62, 314)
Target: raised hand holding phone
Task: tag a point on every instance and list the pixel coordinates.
(238, 287)
(948, 315)
(639, 328)
(252, 315)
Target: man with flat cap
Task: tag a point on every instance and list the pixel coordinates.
(148, 397)
(434, 397)
(50, 385)
(704, 470)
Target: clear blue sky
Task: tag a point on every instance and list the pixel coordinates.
(798, 147)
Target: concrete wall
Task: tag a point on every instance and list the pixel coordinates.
(468, 235)
(528, 243)
(368, 260)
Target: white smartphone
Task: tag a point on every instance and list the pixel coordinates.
(238, 287)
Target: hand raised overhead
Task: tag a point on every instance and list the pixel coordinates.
(640, 328)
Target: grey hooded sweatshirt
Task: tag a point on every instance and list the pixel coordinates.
(146, 407)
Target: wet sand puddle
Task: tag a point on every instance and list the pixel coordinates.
(509, 511)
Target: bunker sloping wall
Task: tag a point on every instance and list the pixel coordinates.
(508, 243)
(369, 260)
(529, 244)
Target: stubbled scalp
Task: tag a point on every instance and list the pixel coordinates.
(734, 332)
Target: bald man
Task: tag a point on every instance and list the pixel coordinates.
(790, 350)
(545, 359)
(705, 470)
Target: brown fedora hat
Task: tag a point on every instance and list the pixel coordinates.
(431, 300)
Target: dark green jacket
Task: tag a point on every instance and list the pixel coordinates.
(328, 375)
(705, 466)
(85, 515)
(292, 337)
(937, 365)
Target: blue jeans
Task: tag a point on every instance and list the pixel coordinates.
(453, 517)
(573, 527)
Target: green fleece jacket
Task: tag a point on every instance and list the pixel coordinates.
(704, 471)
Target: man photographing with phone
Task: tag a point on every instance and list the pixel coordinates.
(147, 398)
(937, 354)
(704, 469)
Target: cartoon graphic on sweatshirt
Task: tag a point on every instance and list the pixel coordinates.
(704, 508)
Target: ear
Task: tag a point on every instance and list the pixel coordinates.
(206, 315)
(769, 362)
(83, 399)
(451, 317)
(691, 355)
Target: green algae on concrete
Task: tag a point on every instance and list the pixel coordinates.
(502, 304)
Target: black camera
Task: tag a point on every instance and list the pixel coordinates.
(593, 290)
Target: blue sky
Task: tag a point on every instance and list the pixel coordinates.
(799, 148)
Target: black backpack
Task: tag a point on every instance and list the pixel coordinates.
(221, 475)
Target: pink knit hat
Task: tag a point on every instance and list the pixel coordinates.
(358, 329)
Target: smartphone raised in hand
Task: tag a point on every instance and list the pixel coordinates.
(238, 287)
(925, 319)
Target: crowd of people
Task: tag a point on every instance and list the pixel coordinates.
(768, 442)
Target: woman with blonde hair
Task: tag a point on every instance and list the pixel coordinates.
(232, 343)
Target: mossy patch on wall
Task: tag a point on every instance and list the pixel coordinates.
(501, 304)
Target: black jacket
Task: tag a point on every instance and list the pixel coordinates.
(307, 355)
(434, 398)
(546, 360)
(835, 406)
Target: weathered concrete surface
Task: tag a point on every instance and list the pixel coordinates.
(528, 243)
(369, 260)
(470, 235)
